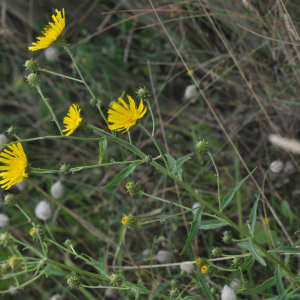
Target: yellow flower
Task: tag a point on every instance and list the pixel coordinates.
(51, 32)
(190, 72)
(198, 261)
(16, 164)
(72, 119)
(125, 220)
(266, 221)
(125, 117)
(204, 269)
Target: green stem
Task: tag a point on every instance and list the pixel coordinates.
(152, 116)
(101, 112)
(104, 287)
(57, 74)
(129, 136)
(49, 107)
(157, 146)
(83, 80)
(218, 179)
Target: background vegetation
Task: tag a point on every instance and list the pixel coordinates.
(245, 57)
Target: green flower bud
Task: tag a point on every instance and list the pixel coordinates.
(83, 123)
(93, 102)
(33, 79)
(202, 146)
(174, 293)
(214, 291)
(5, 267)
(175, 283)
(74, 282)
(14, 261)
(68, 243)
(38, 231)
(142, 93)
(133, 188)
(237, 262)
(31, 65)
(10, 200)
(216, 252)
(148, 159)
(130, 222)
(64, 169)
(6, 240)
(227, 237)
(116, 280)
(11, 131)
(60, 41)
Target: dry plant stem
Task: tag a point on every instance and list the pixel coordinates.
(61, 75)
(218, 179)
(49, 107)
(83, 80)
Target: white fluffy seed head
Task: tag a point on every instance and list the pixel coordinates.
(21, 185)
(43, 210)
(284, 143)
(57, 189)
(12, 291)
(51, 53)
(276, 166)
(163, 256)
(3, 140)
(190, 92)
(146, 252)
(4, 219)
(228, 293)
(56, 297)
(197, 204)
(109, 293)
(189, 268)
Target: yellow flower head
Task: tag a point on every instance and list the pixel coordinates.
(51, 32)
(204, 269)
(72, 119)
(266, 221)
(16, 164)
(190, 72)
(125, 220)
(198, 261)
(123, 116)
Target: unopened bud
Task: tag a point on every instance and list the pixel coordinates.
(74, 282)
(202, 146)
(142, 93)
(237, 262)
(93, 102)
(31, 65)
(216, 252)
(33, 79)
(227, 237)
(133, 188)
(174, 293)
(10, 200)
(116, 279)
(11, 131)
(14, 261)
(64, 169)
(148, 159)
(38, 231)
(6, 239)
(68, 243)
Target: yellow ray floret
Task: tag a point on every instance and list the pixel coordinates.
(123, 116)
(72, 119)
(51, 32)
(16, 164)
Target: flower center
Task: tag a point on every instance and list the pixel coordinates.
(128, 118)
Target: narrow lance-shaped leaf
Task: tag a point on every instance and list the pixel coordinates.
(285, 249)
(227, 199)
(255, 254)
(179, 164)
(252, 216)
(171, 160)
(123, 174)
(205, 288)
(194, 229)
(278, 279)
(265, 285)
(212, 224)
(103, 146)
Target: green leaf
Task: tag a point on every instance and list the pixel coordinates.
(265, 285)
(287, 257)
(279, 284)
(255, 254)
(248, 263)
(103, 146)
(205, 288)
(283, 249)
(212, 224)
(194, 228)
(227, 199)
(179, 164)
(123, 174)
(100, 267)
(191, 298)
(171, 160)
(252, 216)
(137, 288)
